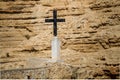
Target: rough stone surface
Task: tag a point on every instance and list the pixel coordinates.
(90, 37)
(90, 25)
(51, 71)
(100, 65)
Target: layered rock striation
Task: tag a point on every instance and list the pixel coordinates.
(90, 25)
(90, 38)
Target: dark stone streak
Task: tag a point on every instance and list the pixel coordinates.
(9, 62)
(7, 0)
(17, 70)
(100, 7)
(47, 5)
(76, 32)
(1, 26)
(98, 74)
(102, 24)
(117, 64)
(32, 23)
(30, 0)
(114, 16)
(107, 11)
(18, 27)
(82, 37)
(112, 76)
(16, 0)
(22, 27)
(31, 50)
(28, 29)
(7, 36)
(47, 48)
(77, 43)
(27, 18)
(27, 37)
(21, 6)
(14, 12)
(26, 4)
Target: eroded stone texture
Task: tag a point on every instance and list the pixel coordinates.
(51, 71)
(64, 71)
(90, 25)
(90, 36)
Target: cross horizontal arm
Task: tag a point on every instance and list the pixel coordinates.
(49, 20)
(60, 20)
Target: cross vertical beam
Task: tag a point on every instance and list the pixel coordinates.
(55, 22)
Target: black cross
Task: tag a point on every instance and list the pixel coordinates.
(55, 20)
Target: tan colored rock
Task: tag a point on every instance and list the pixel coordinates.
(90, 37)
(93, 19)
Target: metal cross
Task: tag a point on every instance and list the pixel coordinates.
(55, 20)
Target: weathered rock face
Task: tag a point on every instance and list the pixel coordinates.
(90, 37)
(90, 25)
(51, 71)
(75, 65)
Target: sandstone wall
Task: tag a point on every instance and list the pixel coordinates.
(91, 25)
(62, 71)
